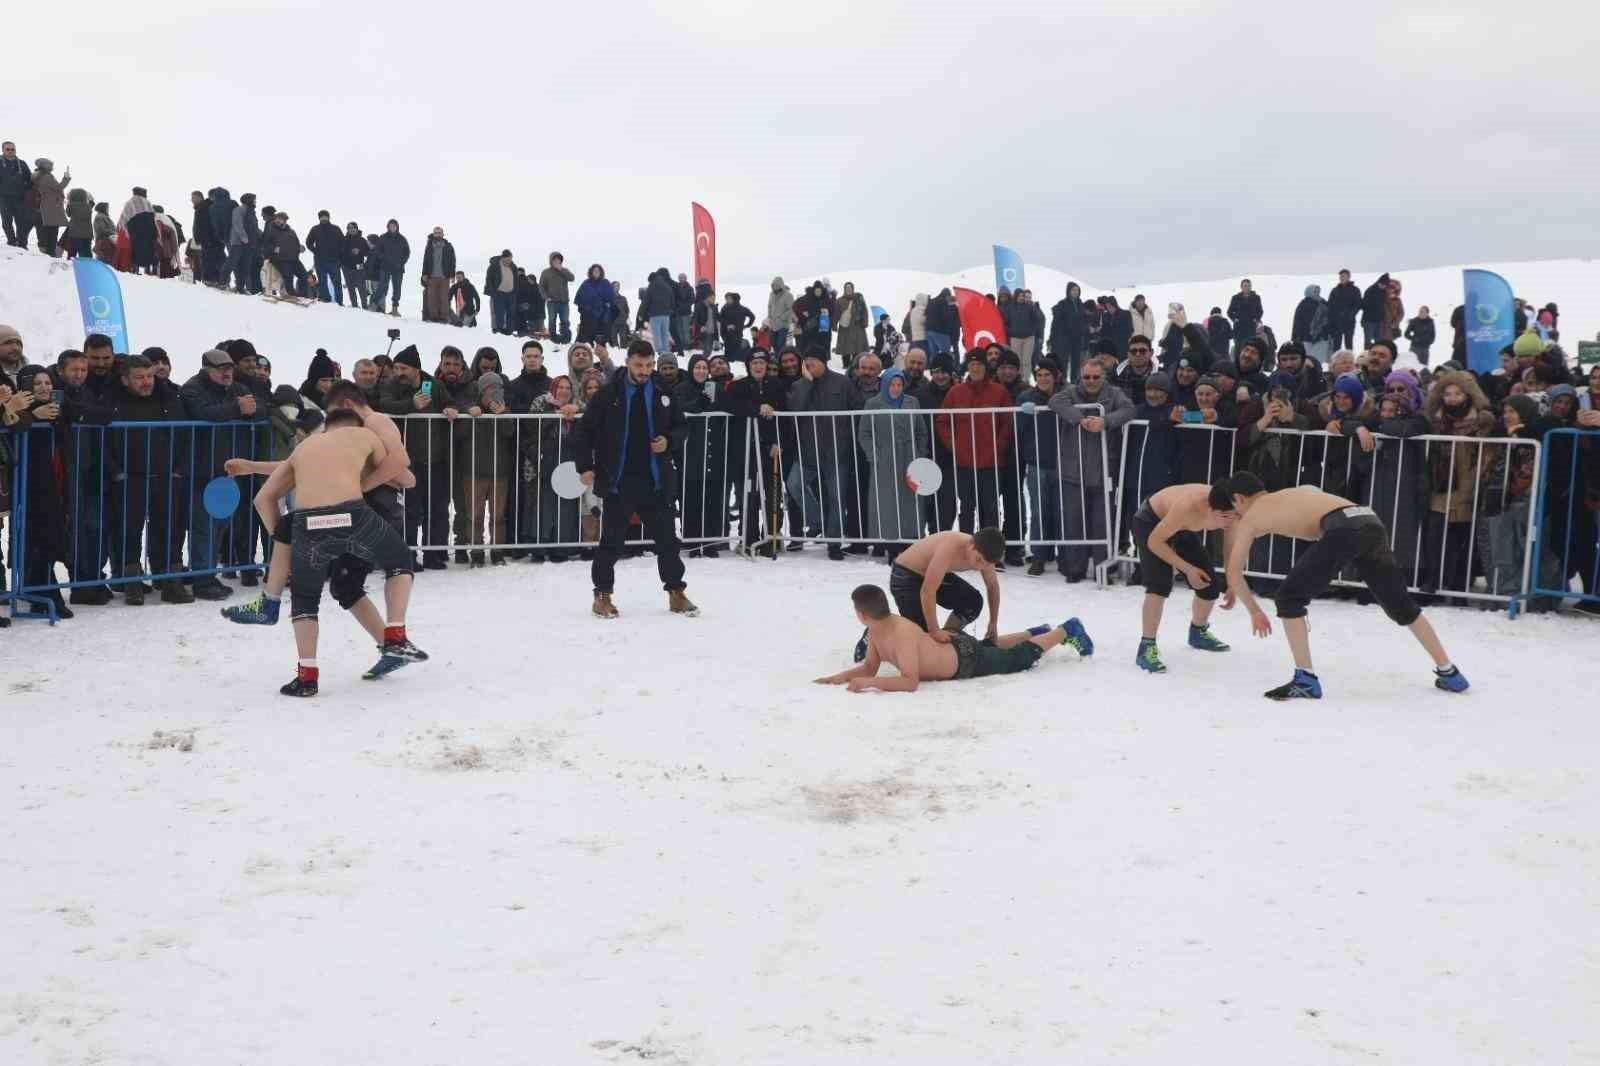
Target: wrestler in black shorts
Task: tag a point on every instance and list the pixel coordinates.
(954, 595)
(1186, 544)
(322, 536)
(1350, 536)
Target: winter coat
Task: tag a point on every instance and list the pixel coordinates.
(1144, 322)
(1372, 302)
(243, 229)
(464, 298)
(1421, 333)
(745, 397)
(281, 243)
(553, 281)
(440, 250)
(1454, 483)
(201, 230)
(1310, 317)
(1344, 305)
(660, 295)
(15, 178)
(890, 442)
(978, 442)
(1036, 433)
(853, 337)
(705, 453)
(393, 251)
(1083, 465)
(486, 445)
(780, 306)
(944, 316)
(597, 443)
(1244, 311)
(353, 251)
(52, 198)
(143, 453)
(915, 325)
(1219, 332)
(1068, 325)
(525, 388)
(80, 215)
(1399, 481)
(594, 299)
(831, 392)
(325, 242)
(733, 320)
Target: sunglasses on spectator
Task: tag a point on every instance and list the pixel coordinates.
(1138, 351)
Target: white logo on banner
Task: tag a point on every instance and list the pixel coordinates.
(100, 307)
(702, 242)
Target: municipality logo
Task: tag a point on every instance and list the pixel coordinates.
(99, 307)
(1486, 314)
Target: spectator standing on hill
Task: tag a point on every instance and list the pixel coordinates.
(392, 253)
(325, 242)
(554, 280)
(438, 270)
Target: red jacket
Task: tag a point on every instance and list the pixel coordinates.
(979, 442)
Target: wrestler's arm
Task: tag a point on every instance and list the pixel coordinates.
(910, 674)
(1244, 535)
(273, 490)
(375, 476)
(238, 467)
(866, 668)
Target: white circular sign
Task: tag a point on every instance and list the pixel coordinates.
(566, 482)
(925, 476)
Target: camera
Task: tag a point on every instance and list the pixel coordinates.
(394, 334)
(58, 397)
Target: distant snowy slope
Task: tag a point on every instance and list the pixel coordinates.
(38, 298)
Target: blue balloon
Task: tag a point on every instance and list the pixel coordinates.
(221, 497)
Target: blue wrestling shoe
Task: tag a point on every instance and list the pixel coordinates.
(1078, 637)
(260, 611)
(1148, 658)
(1304, 686)
(1201, 637)
(1452, 680)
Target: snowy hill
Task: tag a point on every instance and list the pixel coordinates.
(38, 298)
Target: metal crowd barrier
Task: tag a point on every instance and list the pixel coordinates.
(484, 483)
(1567, 517)
(844, 478)
(1413, 483)
(115, 503)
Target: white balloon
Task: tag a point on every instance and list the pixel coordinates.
(926, 475)
(566, 482)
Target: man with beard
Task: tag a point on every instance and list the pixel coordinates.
(759, 396)
(1138, 367)
(1344, 307)
(621, 447)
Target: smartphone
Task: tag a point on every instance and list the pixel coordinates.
(58, 397)
(1194, 416)
(394, 334)
(427, 388)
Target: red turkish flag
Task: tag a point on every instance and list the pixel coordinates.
(981, 324)
(705, 245)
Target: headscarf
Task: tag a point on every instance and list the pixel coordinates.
(883, 387)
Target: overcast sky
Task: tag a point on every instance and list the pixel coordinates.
(1124, 143)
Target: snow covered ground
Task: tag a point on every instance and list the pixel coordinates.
(38, 297)
(567, 841)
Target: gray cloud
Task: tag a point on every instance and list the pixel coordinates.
(1121, 142)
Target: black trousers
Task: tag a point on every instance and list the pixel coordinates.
(978, 491)
(654, 509)
(150, 503)
(954, 594)
(427, 514)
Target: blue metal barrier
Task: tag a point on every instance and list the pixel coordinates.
(1570, 478)
(129, 495)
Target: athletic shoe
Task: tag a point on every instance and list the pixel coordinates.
(1454, 681)
(1303, 686)
(257, 612)
(1148, 658)
(861, 647)
(403, 649)
(1078, 637)
(1202, 638)
(299, 687)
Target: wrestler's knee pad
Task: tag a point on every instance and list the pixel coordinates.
(347, 585)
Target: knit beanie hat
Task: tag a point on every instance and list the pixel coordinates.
(1527, 408)
(408, 357)
(1349, 386)
(1529, 344)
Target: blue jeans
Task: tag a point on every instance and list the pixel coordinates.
(387, 277)
(553, 310)
(780, 337)
(202, 528)
(328, 279)
(502, 309)
(1044, 511)
(938, 343)
(661, 332)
